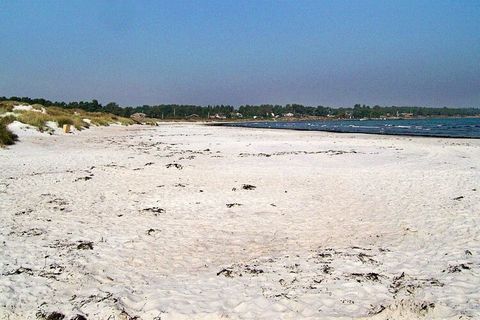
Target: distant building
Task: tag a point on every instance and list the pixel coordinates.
(218, 116)
(289, 115)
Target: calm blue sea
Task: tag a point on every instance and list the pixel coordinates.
(434, 127)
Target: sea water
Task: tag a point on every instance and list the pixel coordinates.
(434, 127)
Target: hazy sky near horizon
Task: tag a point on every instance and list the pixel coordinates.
(332, 53)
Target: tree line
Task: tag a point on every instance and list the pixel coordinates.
(264, 111)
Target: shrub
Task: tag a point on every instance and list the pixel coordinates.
(37, 107)
(6, 106)
(6, 136)
(61, 120)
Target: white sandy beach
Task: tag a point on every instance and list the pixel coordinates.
(185, 221)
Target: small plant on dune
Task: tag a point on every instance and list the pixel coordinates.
(7, 137)
(65, 116)
(125, 121)
(100, 121)
(38, 107)
(7, 106)
(61, 120)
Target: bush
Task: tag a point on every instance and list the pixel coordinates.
(6, 106)
(6, 136)
(61, 120)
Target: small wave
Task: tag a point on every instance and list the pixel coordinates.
(363, 127)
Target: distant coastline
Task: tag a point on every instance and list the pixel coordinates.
(287, 112)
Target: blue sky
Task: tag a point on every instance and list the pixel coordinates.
(334, 53)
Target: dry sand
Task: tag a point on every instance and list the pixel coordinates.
(184, 221)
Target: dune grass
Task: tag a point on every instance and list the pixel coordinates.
(33, 118)
(39, 116)
(6, 136)
(74, 117)
(7, 106)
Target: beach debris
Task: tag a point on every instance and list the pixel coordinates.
(58, 203)
(468, 252)
(148, 164)
(187, 158)
(327, 269)
(226, 272)
(230, 205)
(125, 316)
(240, 270)
(52, 316)
(151, 231)
(252, 270)
(155, 210)
(175, 165)
(52, 272)
(248, 187)
(365, 258)
(79, 317)
(283, 153)
(347, 301)
(409, 284)
(458, 198)
(234, 189)
(375, 309)
(86, 178)
(94, 298)
(419, 309)
(370, 276)
(85, 245)
(24, 212)
(19, 271)
(261, 154)
(179, 185)
(29, 233)
(457, 268)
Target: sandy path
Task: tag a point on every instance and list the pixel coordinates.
(154, 222)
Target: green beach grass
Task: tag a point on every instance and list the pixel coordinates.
(39, 117)
(6, 136)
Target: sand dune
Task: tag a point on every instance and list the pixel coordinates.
(184, 221)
